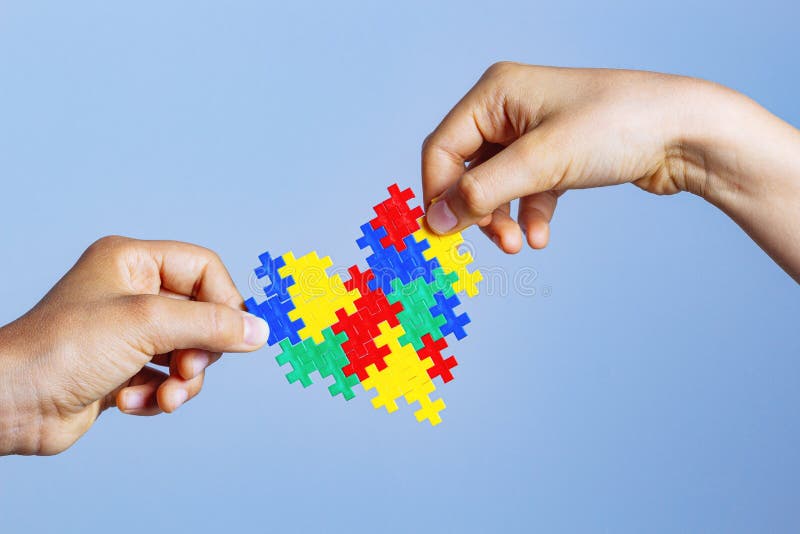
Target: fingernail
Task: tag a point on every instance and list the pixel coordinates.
(133, 400)
(256, 330)
(178, 397)
(440, 217)
(199, 362)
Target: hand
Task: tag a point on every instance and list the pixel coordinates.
(533, 132)
(86, 345)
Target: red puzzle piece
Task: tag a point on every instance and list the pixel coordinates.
(396, 217)
(433, 350)
(372, 308)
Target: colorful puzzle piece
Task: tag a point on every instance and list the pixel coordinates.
(384, 327)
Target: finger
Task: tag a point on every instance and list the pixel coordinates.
(194, 271)
(175, 391)
(525, 167)
(504, 231)
(164, 292)
(162, 360)
(162, 325)
(139, 396)
(477, 118)
(191, 362)
(484, 153)
(535, 213)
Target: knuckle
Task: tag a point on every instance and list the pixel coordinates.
(431, 147)
(427, 143)
(212, 256)
(109, 243)
(208, 256)
(501, 69)
(474, 195)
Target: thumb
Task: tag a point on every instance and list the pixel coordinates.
(168, 324)
(523, 168)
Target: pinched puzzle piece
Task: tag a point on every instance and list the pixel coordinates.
(446, 250)
(276, 313)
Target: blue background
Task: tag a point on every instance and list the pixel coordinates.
(651, 383)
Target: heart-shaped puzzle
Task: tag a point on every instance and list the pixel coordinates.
(385, 327)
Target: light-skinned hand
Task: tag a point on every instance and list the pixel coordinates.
(531, 133)
(87, 345)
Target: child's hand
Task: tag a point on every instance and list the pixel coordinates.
(533, 132)
(85, 346)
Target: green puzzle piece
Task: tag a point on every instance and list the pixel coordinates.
(417, 298)
(327, 358)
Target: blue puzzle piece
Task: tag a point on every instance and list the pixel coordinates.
(278, 286)
(386, 266)
(387, 263)
(276, 313)
(454, 324)
(414, 262)
(371, 238)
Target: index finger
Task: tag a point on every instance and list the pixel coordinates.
(447, 149)
(478, 118)
(194, 271)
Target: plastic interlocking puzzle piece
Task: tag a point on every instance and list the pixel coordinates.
(359, 348)
(433, 350)
(428, 409)
(362, 327)
(414, 261)
(389, 264)
(301, 360)
(276, 313)
(326, 358)
(443, 282)
(385, 326)
(277, 286)
(358, 280)
(454, 324)
(446, 250)
(397, 219)
(371, 238)
(405, 376)
(316, 295)
(385, 263)
(372, 304)
(416, 317)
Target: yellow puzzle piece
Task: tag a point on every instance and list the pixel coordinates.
(316, 295)
(445, 248)
(405, 376)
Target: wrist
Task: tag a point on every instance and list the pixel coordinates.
(730, 150)
(20, 419)
(746, 161)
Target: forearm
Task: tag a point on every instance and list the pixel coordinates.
(746, 161)
(18, 419)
